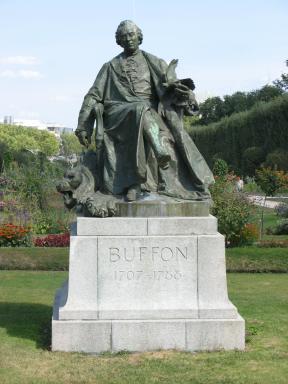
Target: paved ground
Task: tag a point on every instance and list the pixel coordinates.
(259, 200)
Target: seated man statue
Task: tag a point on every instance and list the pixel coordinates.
(138, 104)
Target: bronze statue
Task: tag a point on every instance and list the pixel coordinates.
(137, 105)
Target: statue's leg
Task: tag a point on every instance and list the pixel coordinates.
(151, 129)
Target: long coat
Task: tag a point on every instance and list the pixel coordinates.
(127, 159)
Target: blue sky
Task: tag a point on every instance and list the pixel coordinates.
(52, 50)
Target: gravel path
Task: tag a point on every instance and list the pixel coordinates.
(259, 200)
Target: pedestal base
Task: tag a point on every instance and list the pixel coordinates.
(142, 284)
(96, 336)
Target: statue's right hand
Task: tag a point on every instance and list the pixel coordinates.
(84, 138)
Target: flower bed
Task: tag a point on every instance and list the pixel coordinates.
(57, 240)
(12, 235)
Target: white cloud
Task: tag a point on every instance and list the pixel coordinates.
(61, 98)
(22, 60)
(23, 73)
(8, 73)
(29, 74)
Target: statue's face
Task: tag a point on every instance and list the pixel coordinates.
(130, 39)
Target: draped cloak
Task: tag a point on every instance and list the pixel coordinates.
(127, 157)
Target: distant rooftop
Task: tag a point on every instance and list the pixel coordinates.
(56, 128)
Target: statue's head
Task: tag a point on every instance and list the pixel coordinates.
(128, 36)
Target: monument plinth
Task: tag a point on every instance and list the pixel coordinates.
(140, 284)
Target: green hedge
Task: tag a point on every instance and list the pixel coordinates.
(265, 126)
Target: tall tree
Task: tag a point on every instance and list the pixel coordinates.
(283, 82)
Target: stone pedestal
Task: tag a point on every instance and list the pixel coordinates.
(141, 284)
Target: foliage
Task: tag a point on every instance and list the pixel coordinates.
(17, 138)
(277, 159)
(280, 229)
(33, 184)
(191, 120)
(70, 144)
(59, 240)
(220, 168)
(270, 181)
(249, 234)
(266, 93)
(282, 210)
(253, 157)
(214, 109)
(283, 82)
(12, 235)
(30, 184)
(28, 197)
(233, 211)
(51, 222)
(263, 126)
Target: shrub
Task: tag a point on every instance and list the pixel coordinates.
(220, 168)
(12, 235)
(59, 240)
(282, 210)
(280, 229)
(270, 180)
(51, 222)
(250, 186)
(249, 234)
(253, 157)
(277, 159)
(233, 211)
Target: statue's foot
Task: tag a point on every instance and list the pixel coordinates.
(133, 192)
(163, 159)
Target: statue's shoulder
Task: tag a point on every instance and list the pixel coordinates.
(154, 59)
(115, 59)
(106, 65)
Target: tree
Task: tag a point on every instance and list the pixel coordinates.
(70, 144)
(211, 110)
(267, 93)
(237, 102)
(17, 138)
(283, 82)
(214, 108)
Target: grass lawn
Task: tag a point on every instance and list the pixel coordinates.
(34, 258)
(25, 302)
(270, 220)
(255, 259)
